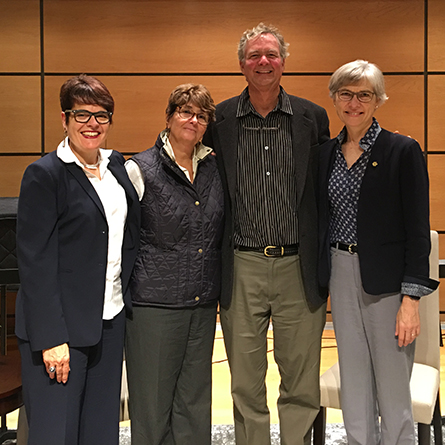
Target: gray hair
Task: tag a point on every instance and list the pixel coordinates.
(353, 73)
(261, 29)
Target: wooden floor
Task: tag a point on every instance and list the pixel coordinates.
(222, 403)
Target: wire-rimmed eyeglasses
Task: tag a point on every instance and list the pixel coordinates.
(187, 113)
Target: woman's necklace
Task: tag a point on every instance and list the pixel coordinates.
(92, 166)
(95, 165)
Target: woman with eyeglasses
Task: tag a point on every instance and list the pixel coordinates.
(77, 238)
(176, 279)
(375, 245)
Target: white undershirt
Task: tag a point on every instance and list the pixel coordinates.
(114, 202)
(135, 173)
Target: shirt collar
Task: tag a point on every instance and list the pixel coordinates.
(66, 154)
(199, 153)
(368, 140)
(245, 106)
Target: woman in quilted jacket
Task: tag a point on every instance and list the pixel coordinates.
(176, 280)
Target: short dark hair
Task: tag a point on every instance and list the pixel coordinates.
(84, 89)
(193, 93)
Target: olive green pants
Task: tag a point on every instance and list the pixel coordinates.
(271, 290)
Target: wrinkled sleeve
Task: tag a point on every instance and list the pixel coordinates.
(37, 253)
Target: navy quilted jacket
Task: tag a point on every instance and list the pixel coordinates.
(179, 259)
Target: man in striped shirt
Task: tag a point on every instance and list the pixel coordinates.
(266, 144)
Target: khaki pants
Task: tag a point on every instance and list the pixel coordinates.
(270, 289)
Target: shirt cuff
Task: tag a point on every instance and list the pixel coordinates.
(415, 290)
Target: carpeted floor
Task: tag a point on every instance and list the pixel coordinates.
(224, 435)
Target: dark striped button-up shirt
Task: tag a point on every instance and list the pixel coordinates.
(266, 194)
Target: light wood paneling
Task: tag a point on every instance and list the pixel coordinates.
(140, 106)
(436, 167)
(436, 35)
(402, 112)
(19, 36)
(201, 35)
(11, 172)
(436, 113)
(141, 102)
(20, 114)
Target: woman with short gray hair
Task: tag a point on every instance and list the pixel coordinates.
(374, 257)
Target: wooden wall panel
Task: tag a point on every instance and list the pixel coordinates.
(436, 35)
(201, 35)
(20, 114)
(141, 102)
(140, 106)
(436, 113)
(436, 168)
(19, 36)
(402, 112)
(11, 172)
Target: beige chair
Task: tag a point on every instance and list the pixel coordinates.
(425, 376)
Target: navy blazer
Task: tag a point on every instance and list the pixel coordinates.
(310, 127)
(393, 229)
(62, 248)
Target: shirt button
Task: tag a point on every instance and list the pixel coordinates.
(268, 173)
(196, 203)
(196, 298)
(266, 147)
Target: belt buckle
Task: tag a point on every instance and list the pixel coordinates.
(273, 247)
(350, 247)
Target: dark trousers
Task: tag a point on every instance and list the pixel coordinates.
(85, 410)
(169, 368)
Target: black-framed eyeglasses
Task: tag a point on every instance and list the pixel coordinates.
(187, 113)
(363, 96)
(83, 116)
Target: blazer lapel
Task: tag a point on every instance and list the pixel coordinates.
(80, 176)
(301, 146)
(120, 174)
(228, 129)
